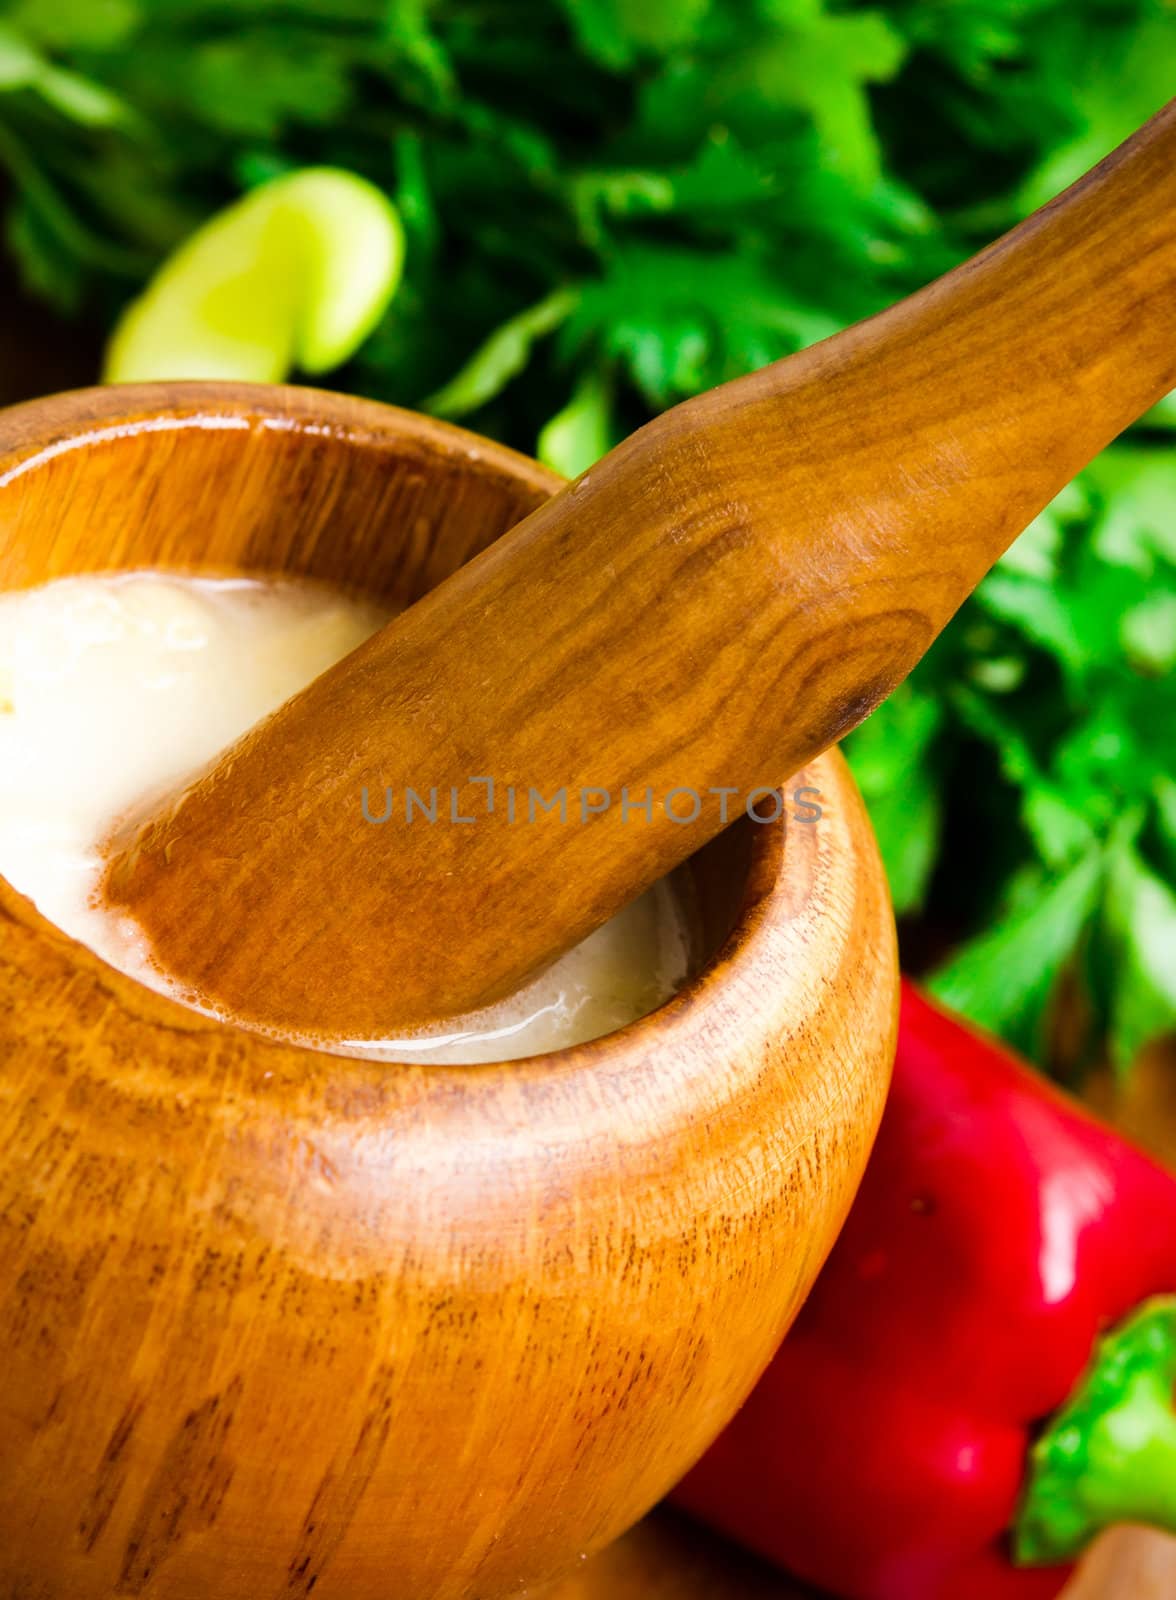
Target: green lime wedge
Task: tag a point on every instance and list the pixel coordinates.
(295, 274)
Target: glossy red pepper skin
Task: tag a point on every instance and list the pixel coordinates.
(999, 1230)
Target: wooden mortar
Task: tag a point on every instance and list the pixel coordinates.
(278, 1322)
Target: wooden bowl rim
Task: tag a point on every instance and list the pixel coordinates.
(39, 430)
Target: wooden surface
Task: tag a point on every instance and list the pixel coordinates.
(718, 599)
(278, 1321)
(667, 1558)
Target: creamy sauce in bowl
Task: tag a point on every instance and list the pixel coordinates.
(114, 689)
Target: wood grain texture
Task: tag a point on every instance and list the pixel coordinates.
(275, 1322)
(712, 604)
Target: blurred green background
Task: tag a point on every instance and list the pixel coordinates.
(611, 204)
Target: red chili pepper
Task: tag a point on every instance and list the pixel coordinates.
(943, 1417)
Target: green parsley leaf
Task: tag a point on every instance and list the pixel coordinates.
(583, 431)
(1005, 977)
(502, 357)
(1140, 918)
(892, 761)
(619, 32)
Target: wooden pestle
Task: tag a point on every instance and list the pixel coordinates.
(720, 598)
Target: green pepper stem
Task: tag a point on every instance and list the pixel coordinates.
(1109, 1455)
